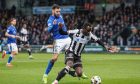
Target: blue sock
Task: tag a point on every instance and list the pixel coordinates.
(10, 59)
(8, 52)
(50, 65)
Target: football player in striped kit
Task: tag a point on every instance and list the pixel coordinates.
(24, 40)
(73, 54)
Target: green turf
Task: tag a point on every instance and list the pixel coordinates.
(112, 68)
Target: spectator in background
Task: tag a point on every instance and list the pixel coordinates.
(103, 8)
(112, 23)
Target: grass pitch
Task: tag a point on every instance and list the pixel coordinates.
(112, 68)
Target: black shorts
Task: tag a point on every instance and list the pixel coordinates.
(77, 62)
(24, 43)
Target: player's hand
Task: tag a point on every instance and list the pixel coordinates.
(107, 48)
(60, 25)
(18, 37)
(113, 49)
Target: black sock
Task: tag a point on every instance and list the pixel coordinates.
(72, 73)
(62, 73)
(29, 52)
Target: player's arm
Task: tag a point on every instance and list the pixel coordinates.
(50, 24)
(62, 32)
(109, 49)
(93, 37)
(10, 35)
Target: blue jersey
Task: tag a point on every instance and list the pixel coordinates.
(53, 28)
(12, 31)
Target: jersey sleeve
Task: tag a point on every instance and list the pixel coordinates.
(50, 24)
(73, 31)
(93, 37)
(8, 30)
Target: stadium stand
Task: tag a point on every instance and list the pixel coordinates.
(115, 26)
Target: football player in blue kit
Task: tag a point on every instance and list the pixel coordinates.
(11, 35)
(60, 41)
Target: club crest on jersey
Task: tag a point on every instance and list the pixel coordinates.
(14, 32)
(80, 40)
(77, 35)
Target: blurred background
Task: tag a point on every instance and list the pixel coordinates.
(116, 22)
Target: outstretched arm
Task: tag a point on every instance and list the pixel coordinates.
(101, 43)
(62, 32)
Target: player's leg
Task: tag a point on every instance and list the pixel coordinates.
(68, 42)
(78, 68)
(58, 46)
(73, 73)
(49, 67)
(45, 47)
(51, 63)
(78, 71)
(5, 52)
(4, 43)
(28, 47)
(14, 51)
(29, 52)
(64, 71)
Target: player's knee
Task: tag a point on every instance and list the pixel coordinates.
(54, 59)
(69, 63)
(79, 73)
(14, 53)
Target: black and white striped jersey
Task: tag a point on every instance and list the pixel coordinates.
(79, 40)
(24, 34)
